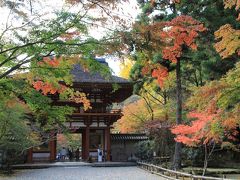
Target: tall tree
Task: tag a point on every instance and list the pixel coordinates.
(37, 54)
(177, 35)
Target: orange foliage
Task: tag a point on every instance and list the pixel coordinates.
(175, 34)
(79, 97)
(172, 36)
(217, 105)
(160, 73)
(229, 123)
(53, 62)
(157, 71)
(197, 132)
(146, 70)
(205, 98)
(180, 31)
(46, 87)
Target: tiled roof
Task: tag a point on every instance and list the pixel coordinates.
(128, 137)
(93, 77)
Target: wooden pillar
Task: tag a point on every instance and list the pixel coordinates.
(55, 149)
(83, 144)
(85, 138)
(30, 156)
(108, 141)
(87, 142)
(52, 146)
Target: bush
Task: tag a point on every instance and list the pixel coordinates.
(145, 150)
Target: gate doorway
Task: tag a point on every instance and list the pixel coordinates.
(69, 147)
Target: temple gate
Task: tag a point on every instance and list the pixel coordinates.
(94, 124)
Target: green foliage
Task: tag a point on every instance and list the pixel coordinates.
(216, 128)
(69, 140)
(15, 134)
(230, 96)
(212, 13)
(44, 112)
(192, 156)
(145, 150)
(94, 66)
(147, 8)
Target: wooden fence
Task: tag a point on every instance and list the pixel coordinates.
(173, 175)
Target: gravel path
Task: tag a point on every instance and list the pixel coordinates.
(83, 173)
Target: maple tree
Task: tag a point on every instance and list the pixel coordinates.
(216, 115)
(197, 133)
(37, 64)
(229, 43)
(56, 84)
(48, 51)
(160, 73)
(171, 39)
(205, 64)
(176, 34)
(231, 4)
(44, 41)
(135, 115)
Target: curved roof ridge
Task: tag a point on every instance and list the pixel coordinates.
(80, 76)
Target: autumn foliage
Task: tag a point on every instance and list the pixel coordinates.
(52, 87)
(135, 116)
(232, 3)
(229, 43)
(176, 33)
(215, 116)
(46, 87)
(196, 133)
(161, 73)
(53, 62)
(79, 97)
(228, 38)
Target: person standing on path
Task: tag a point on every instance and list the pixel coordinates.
(100, 153)
(63, 153)
(77, 154)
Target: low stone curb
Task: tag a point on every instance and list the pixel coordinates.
(46, 165)
(72, 164)
(114, 164)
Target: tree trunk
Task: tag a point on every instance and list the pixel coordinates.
(178, 146)
(205, 160)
